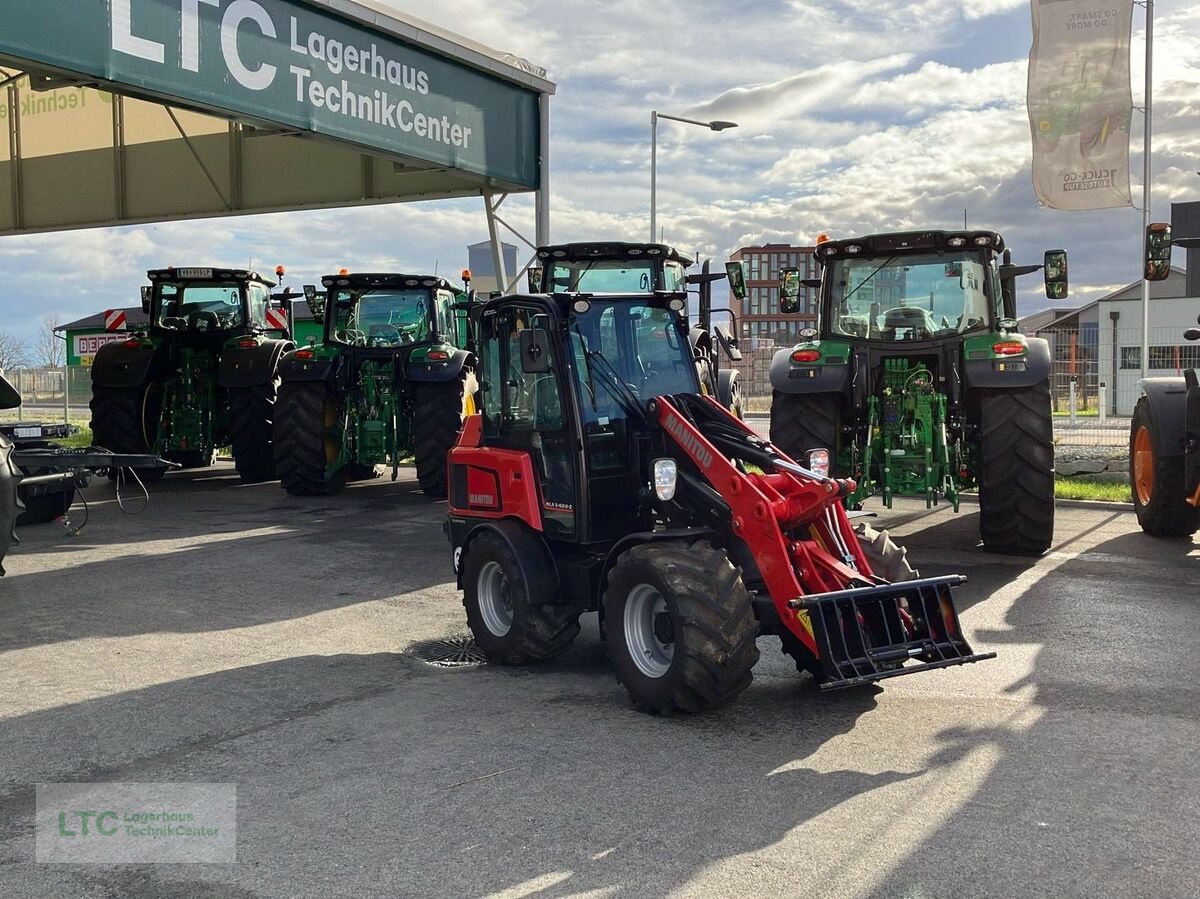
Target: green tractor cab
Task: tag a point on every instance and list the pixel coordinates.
(201, 375)
(616, 268)
(917, 382)
(392, 376)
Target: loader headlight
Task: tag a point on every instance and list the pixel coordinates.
(818, 462)
(665, 471)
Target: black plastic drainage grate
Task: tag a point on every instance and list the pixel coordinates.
(458, 651)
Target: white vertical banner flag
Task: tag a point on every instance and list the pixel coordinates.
(1080, 103)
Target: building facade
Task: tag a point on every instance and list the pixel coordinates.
(759, 320)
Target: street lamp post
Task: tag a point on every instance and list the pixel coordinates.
(655, 115)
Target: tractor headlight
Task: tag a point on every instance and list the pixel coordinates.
(665, 471)
(818, 462)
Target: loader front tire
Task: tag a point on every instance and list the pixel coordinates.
(801, 422)
(1158, 481)
(125, 420)
(1016, 470)
(303, 442)
(251, 413)
(508, 621)
(681, 627)
(438, 411)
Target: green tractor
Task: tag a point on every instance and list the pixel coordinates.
(200, 376)
(393, 376)
(917, 382)
(612, 267)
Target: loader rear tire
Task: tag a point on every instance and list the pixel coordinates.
(1016, 470)
(509, 624)
(251, 413)
(887, 560)
(125, 420)
(801, 422)
(438, 411)
(1158, 481)
(681, 627)
(302, 440)
(10, 501)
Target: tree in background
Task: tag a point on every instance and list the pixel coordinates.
(13, 352)
(49, 350)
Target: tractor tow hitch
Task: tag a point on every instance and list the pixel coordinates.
(866, 634)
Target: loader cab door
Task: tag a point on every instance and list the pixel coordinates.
(526, 408)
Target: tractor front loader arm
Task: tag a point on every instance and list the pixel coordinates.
(858, 627)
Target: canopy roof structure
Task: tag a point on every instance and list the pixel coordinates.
(154, 110)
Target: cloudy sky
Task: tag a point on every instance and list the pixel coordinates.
(854, 116)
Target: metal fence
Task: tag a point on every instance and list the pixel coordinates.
(43, 395)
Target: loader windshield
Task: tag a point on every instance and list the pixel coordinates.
(645, 345)
(200, 306)
(909, 297)
(383, 318)
(616, 276)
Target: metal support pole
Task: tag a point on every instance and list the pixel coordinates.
(1149, 120)
(494, 237)
(653, 176)
(542, 227)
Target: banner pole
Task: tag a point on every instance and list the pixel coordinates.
(1149, 120)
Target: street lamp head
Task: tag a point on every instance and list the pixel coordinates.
(721, 126)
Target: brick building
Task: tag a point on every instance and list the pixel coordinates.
(759, 317)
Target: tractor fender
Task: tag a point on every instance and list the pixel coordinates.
(118, 365)
(251, 366)
(1168, 409)
(9, 398)
(789, 377)
(726, 378)
(987, 372)
(438, 372)
(526, 544)
(290, 368)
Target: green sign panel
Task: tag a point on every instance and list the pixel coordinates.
(285, 62)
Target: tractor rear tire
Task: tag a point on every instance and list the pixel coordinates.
(10, 501)
(681, 626)
(302, 442)
(123, 419)
(251, 411)
(508, 624)
(1158, 481)
(801, 422)
(887, 560)
(1016, 470)
(438, 412)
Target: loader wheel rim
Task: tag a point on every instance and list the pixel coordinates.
(645, 616)
(1143, 466)
(495, 599)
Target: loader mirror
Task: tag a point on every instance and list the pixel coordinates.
(535, 351)
(533, 276)
(737, 279)
(1158, 251)
(789, 290)
(1054, 269)
(316, 302)
(146, 299)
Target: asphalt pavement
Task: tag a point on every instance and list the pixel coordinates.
(230, 633)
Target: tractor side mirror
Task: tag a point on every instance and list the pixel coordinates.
(316, 302)
(1054, 268)
(1158, 251)
(533, 277)
(737, 279)
(9, 398)
(146, 299)
(789, 290)
(535, 351)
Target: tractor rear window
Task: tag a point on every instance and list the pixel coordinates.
(200, 306)
(383, 318)
(914, 297)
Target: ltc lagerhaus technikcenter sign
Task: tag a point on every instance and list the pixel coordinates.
(290, 63)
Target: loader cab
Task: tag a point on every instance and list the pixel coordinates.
(611, 267)
(565, 378)
(387, 312)
(203, 301)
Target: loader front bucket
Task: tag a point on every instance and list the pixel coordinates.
(871, 633)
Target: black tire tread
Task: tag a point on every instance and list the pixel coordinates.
(298, 439)
(800, 422)
(251, 414)
(1016, 470)
(10, 499)
(1168, 513)
(716, 628)
(117, 424)
(437, 419)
